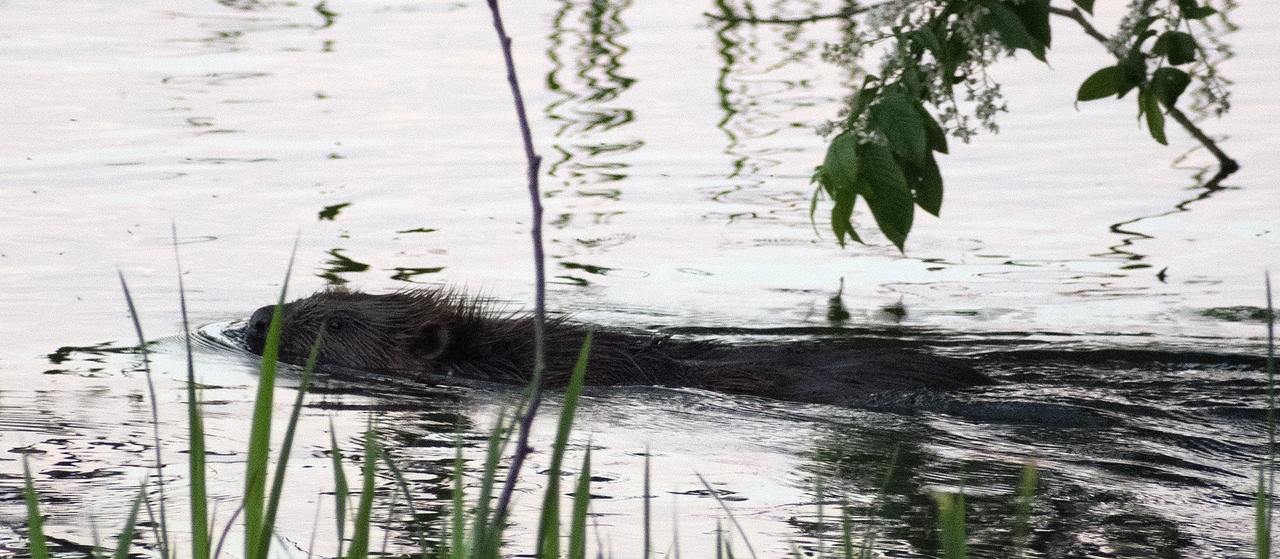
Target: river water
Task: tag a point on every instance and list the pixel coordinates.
(1076, 260)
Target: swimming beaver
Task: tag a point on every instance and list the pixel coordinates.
(443, 332)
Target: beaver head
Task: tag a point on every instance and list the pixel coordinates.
(396, 332)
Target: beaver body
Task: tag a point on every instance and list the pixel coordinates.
(439, 332)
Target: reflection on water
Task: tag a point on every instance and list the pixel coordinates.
(592, 138)
(1133, 237)
(1168, 475)
(587, 75)
(679, 154)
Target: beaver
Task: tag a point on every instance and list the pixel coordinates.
(440, 332)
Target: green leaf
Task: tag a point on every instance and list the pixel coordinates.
(1191, 10)
(124, 543)
(840, 168)
(1133, 71)
(925, 38)
(958, 54)
(1149, 106)
(935, 136)
(925, 181)
(1177, 46)
(1198, 12)
(1168, 83)
(1010, 29)
(896, 117)
(842, 217)
(911, 80)
(1086, 5)
(1140, 29)
(1034, 15)
(864, 97)
(882, 183)
(1103, 83)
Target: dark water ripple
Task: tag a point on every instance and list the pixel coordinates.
(1169, 471)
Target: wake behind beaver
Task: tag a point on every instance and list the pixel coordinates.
(437, 331)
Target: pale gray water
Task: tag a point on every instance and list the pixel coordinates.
(678, 158)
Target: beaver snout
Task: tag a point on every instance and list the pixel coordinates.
(255, 333)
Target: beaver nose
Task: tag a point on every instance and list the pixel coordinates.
(255, 334)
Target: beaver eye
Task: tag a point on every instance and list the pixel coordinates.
(334, 324)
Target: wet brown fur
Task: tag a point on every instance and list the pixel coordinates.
(443, 332)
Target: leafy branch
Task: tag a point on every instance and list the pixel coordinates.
(935, 62)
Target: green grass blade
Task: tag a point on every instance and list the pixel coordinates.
(869, 535)
(648, 525)
(364, 512)
(315, 527)
(549, 525)
(675, 532)
(162, 531)
(457, 533)
(1265, 505)
(1261, 527)
(195, 426)
(719, 540)
(35, 523)
(96, 551)
(340, 489)
(255, 478)
(198, 488)
(1022, 516)
(951, 524)
(578, 521)
(403, 485)
(486, 531)
(386, 534)
(846, 530)
(196, 465)
(820, 492)
(126, 535)
(260, 440)
(745, 540)
(226, 530)
(291, 428)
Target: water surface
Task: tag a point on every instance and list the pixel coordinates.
(678, 155)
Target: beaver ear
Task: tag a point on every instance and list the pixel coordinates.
(432, 340)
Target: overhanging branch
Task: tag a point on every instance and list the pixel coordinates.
(1226, 165)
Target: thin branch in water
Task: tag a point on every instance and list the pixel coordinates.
(534, 161)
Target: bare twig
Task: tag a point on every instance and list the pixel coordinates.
(539, 317)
